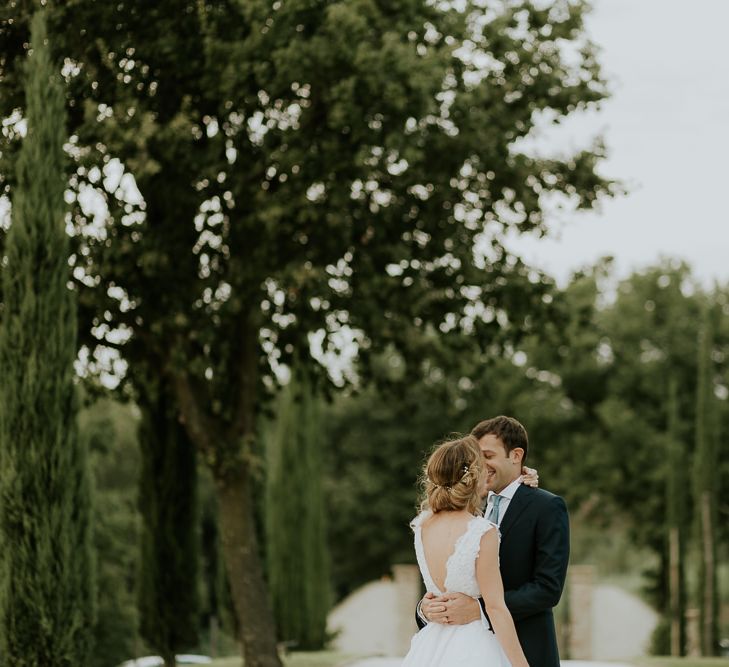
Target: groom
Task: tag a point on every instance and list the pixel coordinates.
(534, 550)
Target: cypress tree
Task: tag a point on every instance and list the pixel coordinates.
(676, 490)
(705, 493)
(46, 564)
(110, 429)
(168, 592)
(297, 557)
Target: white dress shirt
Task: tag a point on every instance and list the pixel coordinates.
(506, 495)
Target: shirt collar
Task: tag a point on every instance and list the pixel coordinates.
(509, 491)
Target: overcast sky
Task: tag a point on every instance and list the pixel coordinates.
(667, 132)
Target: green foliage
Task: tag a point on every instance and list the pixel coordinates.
(168, 583)
(46, 565)
(341, 180)
(593, 388)
(705, 473)
(110, 429)
(297, 558)
(325, 167)
(382, 441)
(379, 441)
(660, 643)
(628, 351)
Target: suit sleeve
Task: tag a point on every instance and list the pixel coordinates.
(419, 618)
(544, 589)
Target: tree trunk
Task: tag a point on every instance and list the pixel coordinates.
(243, 564)
(705, 491)
(676, 484)
(708, 640)
(230, 469)
(674, 578)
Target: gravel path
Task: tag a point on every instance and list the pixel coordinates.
(617, 613)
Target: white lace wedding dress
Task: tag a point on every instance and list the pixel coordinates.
(439, 645)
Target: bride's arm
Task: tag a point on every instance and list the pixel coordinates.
(492, 590)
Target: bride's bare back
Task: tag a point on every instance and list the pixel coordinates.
(440, 534)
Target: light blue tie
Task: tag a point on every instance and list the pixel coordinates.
(494, 513)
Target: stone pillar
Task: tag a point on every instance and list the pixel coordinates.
(693, 643)
(407, 581)
(581, 584)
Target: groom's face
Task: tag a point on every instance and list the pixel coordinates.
(501, 468)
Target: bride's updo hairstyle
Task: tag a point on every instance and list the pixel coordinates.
(452, 475)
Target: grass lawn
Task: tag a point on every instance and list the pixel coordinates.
(316, 659)
(681, 662)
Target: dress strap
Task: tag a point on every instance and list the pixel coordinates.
(477, 528)
(416, 525)
(417, 522)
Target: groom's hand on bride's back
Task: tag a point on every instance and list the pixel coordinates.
(450, 609)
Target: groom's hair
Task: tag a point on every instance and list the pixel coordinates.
(507, 429)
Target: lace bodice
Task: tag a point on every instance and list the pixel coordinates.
(461, 564)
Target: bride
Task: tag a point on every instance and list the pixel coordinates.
(458, 551)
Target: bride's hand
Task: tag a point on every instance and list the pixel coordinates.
(433, 608)
(460, 609)
(530, 477)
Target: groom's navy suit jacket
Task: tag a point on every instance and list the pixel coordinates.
(534, 552)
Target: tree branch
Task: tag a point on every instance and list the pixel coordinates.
(200, 427)
(246, 365)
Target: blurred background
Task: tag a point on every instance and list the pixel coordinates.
(302, 241)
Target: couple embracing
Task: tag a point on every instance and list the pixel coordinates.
(493, 573)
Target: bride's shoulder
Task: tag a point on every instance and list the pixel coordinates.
(418, 521)
(481, 525)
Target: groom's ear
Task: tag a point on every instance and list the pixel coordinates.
(517, 454)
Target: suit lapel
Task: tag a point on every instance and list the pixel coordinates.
(521, 500)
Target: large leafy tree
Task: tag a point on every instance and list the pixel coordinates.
(273, 169)
(46, 564)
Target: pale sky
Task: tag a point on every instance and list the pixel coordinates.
(667, 133)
